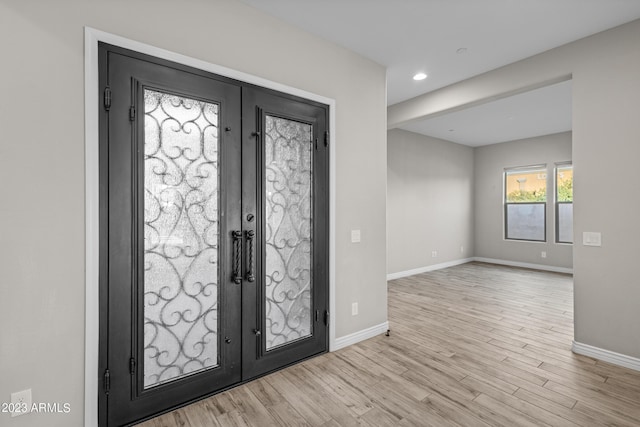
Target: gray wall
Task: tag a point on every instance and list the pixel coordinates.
(490, 162)
(42, 287)
(429, 201)
(442, 196)
(605, 70)
(606, 149)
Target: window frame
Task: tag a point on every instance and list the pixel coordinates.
(557, 203)
(506, 204)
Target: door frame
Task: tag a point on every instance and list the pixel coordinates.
(91, 96)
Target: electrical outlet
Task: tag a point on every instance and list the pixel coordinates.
(543, 254)
(21, 401)
(354, 309)
(355, 236)
(434, 254)
(461, 249)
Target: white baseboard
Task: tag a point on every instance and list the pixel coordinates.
(606, 355)
(433, 267)
(362, 335)
(524, 265)
(400, 274)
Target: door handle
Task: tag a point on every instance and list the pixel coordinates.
(251, 277)
(237, 242)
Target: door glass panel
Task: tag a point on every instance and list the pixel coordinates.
(288, 184)
(180, 236)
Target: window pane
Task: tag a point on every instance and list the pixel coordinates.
(288, 208)
(526, 221)
(526, 186)
(564, 183)
(180, 237)
(565, 222)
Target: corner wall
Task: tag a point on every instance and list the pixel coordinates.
(606, 116)
(605, 72)
(489, 164)
(429, 201)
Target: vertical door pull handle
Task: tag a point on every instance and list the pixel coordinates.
(251, 277)
(237, 242)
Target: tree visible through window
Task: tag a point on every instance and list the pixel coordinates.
(526, 203)
(564, 203)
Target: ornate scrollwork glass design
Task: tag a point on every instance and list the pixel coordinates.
(288, 182)
(181, 229)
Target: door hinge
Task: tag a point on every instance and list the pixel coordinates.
(316, 144)
(326, 138)
(107, 98)
(132, 366)
(106, 381)
(326, 317)
(317, 315)
(132, 113)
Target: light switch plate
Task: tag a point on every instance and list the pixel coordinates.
(355, 236)
(591, 238)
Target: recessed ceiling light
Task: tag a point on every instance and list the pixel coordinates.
(451, 130)
(461, 50)
(420, 76)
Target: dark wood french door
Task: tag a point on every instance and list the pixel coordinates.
(213, 233)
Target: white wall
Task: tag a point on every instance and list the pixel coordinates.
(429, 201)
(490, 162)
(606, 105)
(443, 196)
(42, 167)
(605, 71)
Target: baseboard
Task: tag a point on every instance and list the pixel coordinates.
(606, 355)
(440, 266)
(524, 265)
(362, 335)
(433, 267)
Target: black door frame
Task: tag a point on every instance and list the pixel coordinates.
(257, 104)
(121, 252)
(323, 211)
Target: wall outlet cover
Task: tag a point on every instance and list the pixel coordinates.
(21, 401)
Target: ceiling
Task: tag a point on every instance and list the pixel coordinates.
(452, 40)
(538, 112)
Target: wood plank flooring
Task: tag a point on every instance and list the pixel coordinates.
(472, 345)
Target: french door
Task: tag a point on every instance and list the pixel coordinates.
(213, 233)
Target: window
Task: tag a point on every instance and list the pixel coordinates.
(564, 203)
(525, 203)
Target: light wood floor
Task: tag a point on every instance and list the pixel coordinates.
(473, 345)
